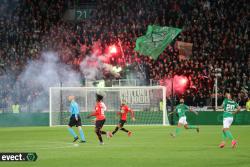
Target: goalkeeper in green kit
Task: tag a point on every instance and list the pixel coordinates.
(181, 110)
(230, 108)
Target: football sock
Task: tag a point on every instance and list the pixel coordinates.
(229, 135)
(81, 134)
(71, 131)
(177, 131)
(192, 127)
(103, 132)
(99, 136)
(125, 130)
(224, 136)
(116, 129)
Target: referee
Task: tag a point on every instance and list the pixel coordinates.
(75, 120)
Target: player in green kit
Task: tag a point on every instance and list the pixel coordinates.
(230, 108)
(181, 109)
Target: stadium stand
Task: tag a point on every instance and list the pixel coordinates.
(217, 29)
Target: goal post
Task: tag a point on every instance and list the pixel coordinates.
(147, 102)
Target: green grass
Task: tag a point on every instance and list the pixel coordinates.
(150, 146)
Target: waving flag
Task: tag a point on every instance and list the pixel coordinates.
(156, 40)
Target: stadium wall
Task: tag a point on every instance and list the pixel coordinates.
(42, 119)
(24, 119)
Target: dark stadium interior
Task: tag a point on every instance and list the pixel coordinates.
(218, 29)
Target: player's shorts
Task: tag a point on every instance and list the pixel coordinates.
(122, 122)
(227, 122)
(74, 122)
(183, 120)
(99, 123)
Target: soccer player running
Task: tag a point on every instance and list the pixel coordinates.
(230, 108)
(100, 107)
(181, 111)
(124, 110)
(75, 120)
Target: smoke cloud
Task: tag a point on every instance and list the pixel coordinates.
(180, 84)
(96, 65)
(91, 67)
(39, 75)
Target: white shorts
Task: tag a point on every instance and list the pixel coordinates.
(183, 120)
(227, 122)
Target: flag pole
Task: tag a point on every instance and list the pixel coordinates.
(119, 42)
(172, 88)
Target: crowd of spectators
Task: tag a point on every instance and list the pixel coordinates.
(218, 30)
(23, 24)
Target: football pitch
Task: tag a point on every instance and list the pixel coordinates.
(149, 146)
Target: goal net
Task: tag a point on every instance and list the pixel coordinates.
(146, 102)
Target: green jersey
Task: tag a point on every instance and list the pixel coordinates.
(181, 110)
(229, 107)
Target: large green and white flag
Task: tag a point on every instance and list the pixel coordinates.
(156, 40)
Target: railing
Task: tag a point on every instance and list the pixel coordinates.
(126, 82)
(121, 82)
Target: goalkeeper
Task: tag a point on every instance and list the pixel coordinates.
(124, 110)
(75, 120)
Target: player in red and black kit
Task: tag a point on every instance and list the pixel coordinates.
(100, 107)
(124, 110)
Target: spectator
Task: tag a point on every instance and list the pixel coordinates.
(248, 104)
(15, 108)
